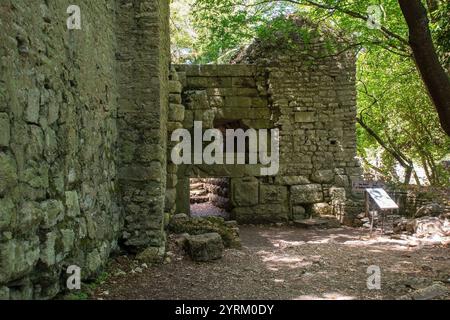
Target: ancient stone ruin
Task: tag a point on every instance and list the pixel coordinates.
(86, 118)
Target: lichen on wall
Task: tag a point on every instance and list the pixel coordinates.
(59, 201)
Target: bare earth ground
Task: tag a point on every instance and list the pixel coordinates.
(286, 263)
(206, 209)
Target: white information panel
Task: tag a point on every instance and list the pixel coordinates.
(382, 199)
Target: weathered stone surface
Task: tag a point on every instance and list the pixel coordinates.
(175, 86)
(5, 130)
(33, 106)
(292, 180)
(305, 117)
(304, 194)
(176, 112)
(321, 209)
(151, 255)
(245, 193)
(53, 211)
(205, 247)
(196, 100)
(72, 204)
(432, 210)
(298, 212)
(8, 173)
(181, 224)
(4, 293)
(263, 213)
(7, 213)
(435, 291)
(322, 176)
(17, 258)
(273, 194)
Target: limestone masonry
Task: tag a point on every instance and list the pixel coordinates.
(85, 123)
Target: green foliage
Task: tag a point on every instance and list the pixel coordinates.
(441, 30)
(393, 102)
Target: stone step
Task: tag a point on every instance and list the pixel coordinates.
(317, 223)
(201, 199)
(198, 185)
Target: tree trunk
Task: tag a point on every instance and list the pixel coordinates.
(433, 74)
(406, 163)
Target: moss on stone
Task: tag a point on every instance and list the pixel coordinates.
(196, 226)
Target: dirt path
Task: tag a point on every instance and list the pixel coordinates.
(286, 263)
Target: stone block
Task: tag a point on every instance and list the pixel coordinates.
(291, 180)
(238, 102)
(5, 130)
(4, 293)
(8, 173)
(306, 194)
(196, 100)
(151, 255)
(175, 98)
(244, 82)
(33, 106)
(322, 176)
(175, 86)
(338, 194)
(72, 204)
(270, 194)
(205, 247)
(53, 212)
(17, 258)
(245, 193)
(263, 213)
(47, 253)
(305, 117)
(176, 112)
(7, 213)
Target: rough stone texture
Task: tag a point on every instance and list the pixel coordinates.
(79, 109)
(181, 223)
(143, 66)
(59, 203)
(205, 247)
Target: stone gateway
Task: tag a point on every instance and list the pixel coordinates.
(86, 117)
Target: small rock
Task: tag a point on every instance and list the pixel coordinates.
(138, 270)
(150, 255)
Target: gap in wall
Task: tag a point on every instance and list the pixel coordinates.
(210, 197)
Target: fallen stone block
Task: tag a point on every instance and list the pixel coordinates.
(435, 291)
(205, 247)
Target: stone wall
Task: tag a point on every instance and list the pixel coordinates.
(143, 57)
(59, 201)
(311, 98)
(83, 132)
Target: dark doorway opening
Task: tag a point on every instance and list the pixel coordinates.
(210, 197)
